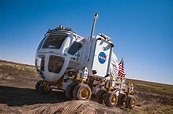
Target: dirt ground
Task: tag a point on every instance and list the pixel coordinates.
(17, 95)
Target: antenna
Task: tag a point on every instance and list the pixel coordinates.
(93, 26)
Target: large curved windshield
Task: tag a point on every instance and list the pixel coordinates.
(54, 41)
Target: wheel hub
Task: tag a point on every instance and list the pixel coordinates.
(84, 93)
(46, 89)
(113, 100)
(133, 102)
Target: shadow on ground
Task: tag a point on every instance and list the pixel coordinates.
(13, 96)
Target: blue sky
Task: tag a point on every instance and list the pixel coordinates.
(142, 30)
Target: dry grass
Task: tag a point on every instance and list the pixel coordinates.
(10, 68)
(152, 86)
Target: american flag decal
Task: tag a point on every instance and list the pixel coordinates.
(121, 69)
(79, 38)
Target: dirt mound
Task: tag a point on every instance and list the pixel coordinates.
(76, 107)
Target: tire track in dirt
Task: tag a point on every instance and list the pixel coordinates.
(76, 107)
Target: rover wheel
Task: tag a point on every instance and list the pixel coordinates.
(44, 89)
(121, 98)
(130, 101)
(82, 92)
(100, 96)
(110, 99)
(69, 90)
(37, 85)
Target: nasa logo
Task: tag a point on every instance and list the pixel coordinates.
(102, 57)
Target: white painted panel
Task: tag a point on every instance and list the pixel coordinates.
(101, 58)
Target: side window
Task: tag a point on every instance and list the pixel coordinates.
(74, 48)
(41, 43)
(39, 63)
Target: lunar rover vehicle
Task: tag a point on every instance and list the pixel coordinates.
(82, 67)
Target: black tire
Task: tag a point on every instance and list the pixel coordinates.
(82, 92)
(121, 98)
(37, 85)
(69, 90)
(44, 90)
(130, 102)
(99, 96)
(110, 99)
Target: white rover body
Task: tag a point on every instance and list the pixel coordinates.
(81, 67)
